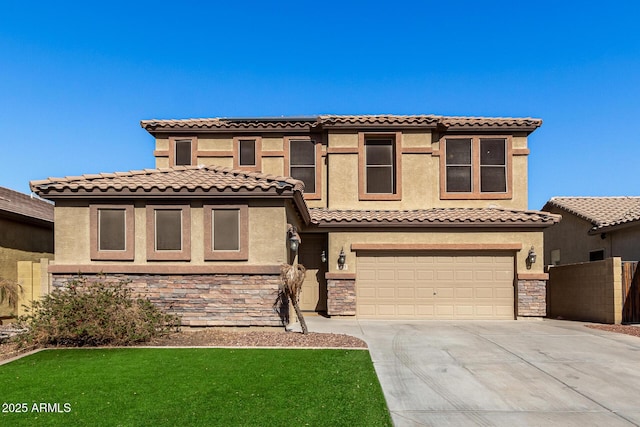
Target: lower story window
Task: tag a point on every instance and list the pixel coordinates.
(112, 232)
(168, 232)
(226, 232)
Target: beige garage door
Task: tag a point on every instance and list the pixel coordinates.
(435, 286)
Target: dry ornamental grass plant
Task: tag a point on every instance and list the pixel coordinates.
(93, 313)
(11, 293)
(292, 279)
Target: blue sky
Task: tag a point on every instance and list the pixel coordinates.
(76, 78)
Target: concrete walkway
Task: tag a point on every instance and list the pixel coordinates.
(500, 373)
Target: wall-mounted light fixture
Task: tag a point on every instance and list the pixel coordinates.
(531, 258)
(342, 259)
(323, 257)
(294, 239)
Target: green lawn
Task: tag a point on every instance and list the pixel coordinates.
(192, 387)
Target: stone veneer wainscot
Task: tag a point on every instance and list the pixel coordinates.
(206, 300)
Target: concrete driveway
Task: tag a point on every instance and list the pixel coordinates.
(500, 373)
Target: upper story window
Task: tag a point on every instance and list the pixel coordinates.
(302, 163)
(247, 153)
(226, 232)
(379, 166)
(182, 151)
(168, 232)
(379, 157)
(112, 232)
(476, 167)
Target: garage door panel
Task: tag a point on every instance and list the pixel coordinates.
(425, 275)
(406, 310)
(464, 275)
(444, 310)
(484, 276)
(464, 292)
(386, 274)
(406, 293)
(425, 310)
(386, 292)
(504, 293)
(386, 309)
(366, 274)
(435, 286)
(422, 292)
(365, 292)
(464, 310)
(503, 275)
(444, 275)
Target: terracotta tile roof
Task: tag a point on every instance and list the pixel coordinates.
(24, 205)
(212, 179)
(229, 124)
(380, 120)
(434, 217)
(328, 121)
(460, 123)
(602, 212)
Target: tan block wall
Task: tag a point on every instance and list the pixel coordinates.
(344, 239)
(21, 242)
(267, 227)
(586, 291)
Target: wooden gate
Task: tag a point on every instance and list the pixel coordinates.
(630, 292)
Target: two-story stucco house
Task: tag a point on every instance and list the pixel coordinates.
(399, 217)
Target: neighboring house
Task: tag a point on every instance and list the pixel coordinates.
(592, 229)
(26, 233)
(417, 217)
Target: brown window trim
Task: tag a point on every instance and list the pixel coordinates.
(362, 185)
(475, 193)
(243, 253)
(172, 149)
(236, 153)
(182, 255)
(287, 165)
(129, 252)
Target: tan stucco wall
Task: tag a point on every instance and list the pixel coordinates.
(571, 236)
(586, 291)
(420, 172)
(344, 239)
(420, 177)
(267, 235)
(625, 243)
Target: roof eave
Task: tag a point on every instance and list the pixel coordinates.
(611, 228)
(169, 193)
(418, 224)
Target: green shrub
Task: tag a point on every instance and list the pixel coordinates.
(94, 313)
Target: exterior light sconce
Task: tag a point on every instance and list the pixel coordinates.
(342, 259)
(294, 239)
(323, 257)
(531, 258)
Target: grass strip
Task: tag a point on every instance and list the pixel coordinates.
(192, 387)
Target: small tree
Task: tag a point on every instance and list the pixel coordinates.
(11, 293)
(292, 279)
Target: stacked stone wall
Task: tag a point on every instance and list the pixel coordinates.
(207, 300)
(532, 298)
